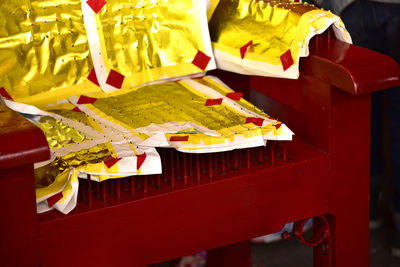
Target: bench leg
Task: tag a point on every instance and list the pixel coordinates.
(19, 242)
(349, 179)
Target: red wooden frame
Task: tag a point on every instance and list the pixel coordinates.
(325, 173)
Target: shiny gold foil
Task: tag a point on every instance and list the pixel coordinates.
(46, 175)
(60, 135)
(167, 102)
(43, 46)
(148, 40)
(270, 25)
(79, 117)
(76, 116)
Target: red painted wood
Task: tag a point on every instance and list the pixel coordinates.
(338, 123)
(325, 172)
(218, 212)
(19, 242)
(349, 178)
(354, 69)
(21, 142)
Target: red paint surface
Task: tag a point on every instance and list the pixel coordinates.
(212, 204)
(235, 96)
(179, 138)
(201, 60)
(254, 120)
(96, 5)
(21, 142)
(53, 200)
(287, 60)
(93, 78)
(324, 173)
(140, 159)
(86, 100)
(361, 71)
(5, 94)
(212, 102)
(111, 161)
(244, 49)
(76, 109)
(115, 79)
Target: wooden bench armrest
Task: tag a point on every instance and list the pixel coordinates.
(21, 142)
(21, 145)
(353, 69)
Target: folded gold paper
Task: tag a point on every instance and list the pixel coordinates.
(267, 37)
(147, 41)
(43, 46)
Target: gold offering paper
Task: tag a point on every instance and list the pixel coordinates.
(147, 41)
(267, 37)
(198, 109)
(43, 48)
(49, 48)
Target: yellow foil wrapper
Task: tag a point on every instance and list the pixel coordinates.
(149, 40)
(256, 37)
(167, 102)
(196, 108)
(46, 175)
(60, 135)
(43, 49)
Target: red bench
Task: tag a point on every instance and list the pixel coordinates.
(323, 172)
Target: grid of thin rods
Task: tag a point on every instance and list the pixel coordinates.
(182, 169)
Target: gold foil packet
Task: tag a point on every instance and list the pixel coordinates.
(44, 50)
(139, 42)
(192, 115)
(50, 50)
(268, 37)
(80, 147)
